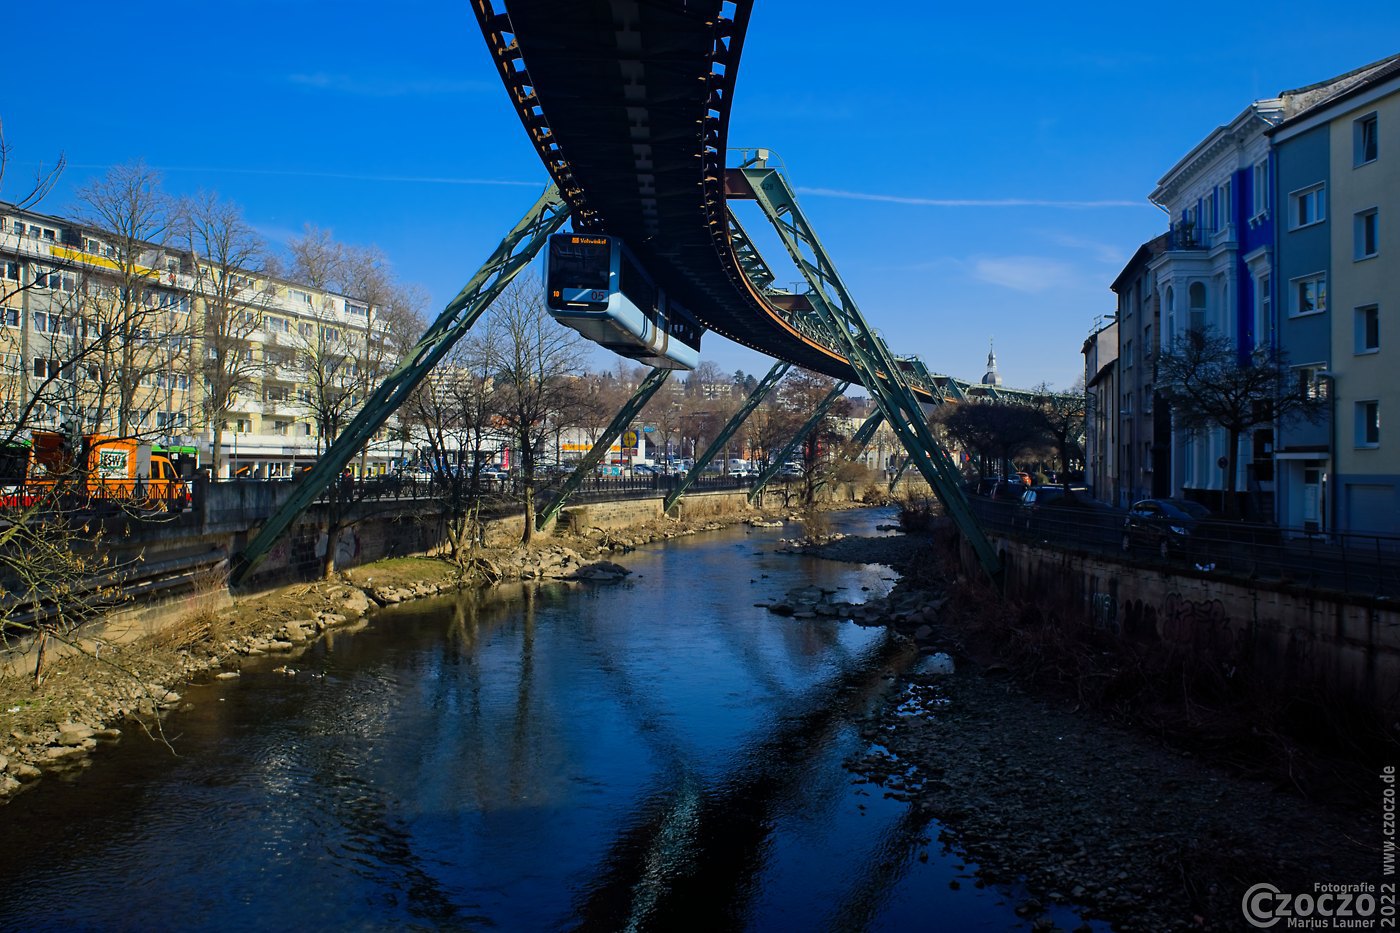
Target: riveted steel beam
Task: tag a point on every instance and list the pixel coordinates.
(625, 416)
(722, 439)
(776, 464)
(879, 370)
(512, 255)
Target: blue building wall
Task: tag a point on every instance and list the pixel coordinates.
(1301, 161)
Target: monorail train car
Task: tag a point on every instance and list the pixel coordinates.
(596, 286)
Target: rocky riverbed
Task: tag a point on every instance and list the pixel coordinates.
(1064, 802)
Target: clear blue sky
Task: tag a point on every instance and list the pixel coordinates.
(977, 170)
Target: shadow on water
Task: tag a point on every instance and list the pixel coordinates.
(693, 853)
(656, 755)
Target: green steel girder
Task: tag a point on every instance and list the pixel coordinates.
(867, 431)
(808, 323)
(752, 264)
(654, 381)
(512, 255)
(894, 480)
(776, 463)
(755, 397)
(879, 370)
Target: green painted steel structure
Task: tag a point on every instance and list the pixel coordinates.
(867, 431)
(625, 416)
(880, 372)
(513, 254)
(775, 464)
(722, 439)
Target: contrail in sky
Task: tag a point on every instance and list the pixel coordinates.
(964, 202)
(419, 179)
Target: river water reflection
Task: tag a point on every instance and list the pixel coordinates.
(659, 754)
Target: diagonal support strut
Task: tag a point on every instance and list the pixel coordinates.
(879, 371)
(512, 255)
(628, 413)
(755, 397)
(775, 464)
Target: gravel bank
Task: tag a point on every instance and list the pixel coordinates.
(1078, 808)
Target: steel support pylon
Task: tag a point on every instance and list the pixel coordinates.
(776, 463)
(878, 369)
(755, 397)
(867, 431)
(625, 416)
(513, 254)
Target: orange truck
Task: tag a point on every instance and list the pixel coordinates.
(119, 470)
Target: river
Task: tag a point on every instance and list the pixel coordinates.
(659, 754)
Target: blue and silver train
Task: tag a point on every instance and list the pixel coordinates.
(596, 286)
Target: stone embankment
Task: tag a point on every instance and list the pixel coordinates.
(90, 696)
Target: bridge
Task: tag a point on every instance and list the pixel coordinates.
(627, 104)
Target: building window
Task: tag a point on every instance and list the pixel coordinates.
(1368, 424)
(1128, 355)
(1368, 329)
(1365, 142)
(1364, 240)
(1196, 307)
(1261, 188)
(1309, 295)
(1225, 216)
(1307, 207)
(1264, 311)
(1310, 383)
(1170, 333)
(9, 317)
(10, 271)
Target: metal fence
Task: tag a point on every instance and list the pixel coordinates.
(1366, 565)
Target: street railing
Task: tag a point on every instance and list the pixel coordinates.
(1366, 565)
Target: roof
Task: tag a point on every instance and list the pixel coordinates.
(1145, 253)
(1343, 88)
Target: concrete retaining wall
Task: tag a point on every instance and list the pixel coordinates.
(1278, 633)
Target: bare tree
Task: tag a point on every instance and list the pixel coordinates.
(49, 561)
(996, 431)
(142, 328)
(228, 261)
(663, 413)
(799, 395)
(316, 259)
(453, 412)
(1064, 421)
(1211, 384)
(534, 361)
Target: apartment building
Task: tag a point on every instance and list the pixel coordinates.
(1101, 412)
(1217, 273)
(1141, 425)
(1337, 182)
(104, 335)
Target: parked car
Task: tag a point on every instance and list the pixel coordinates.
(493, 473)
(643, 469)
(1037, 498)
(1169, 526)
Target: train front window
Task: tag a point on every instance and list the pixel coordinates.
(578, 262)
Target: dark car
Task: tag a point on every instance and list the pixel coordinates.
(1036, 498)
(1169, 526)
